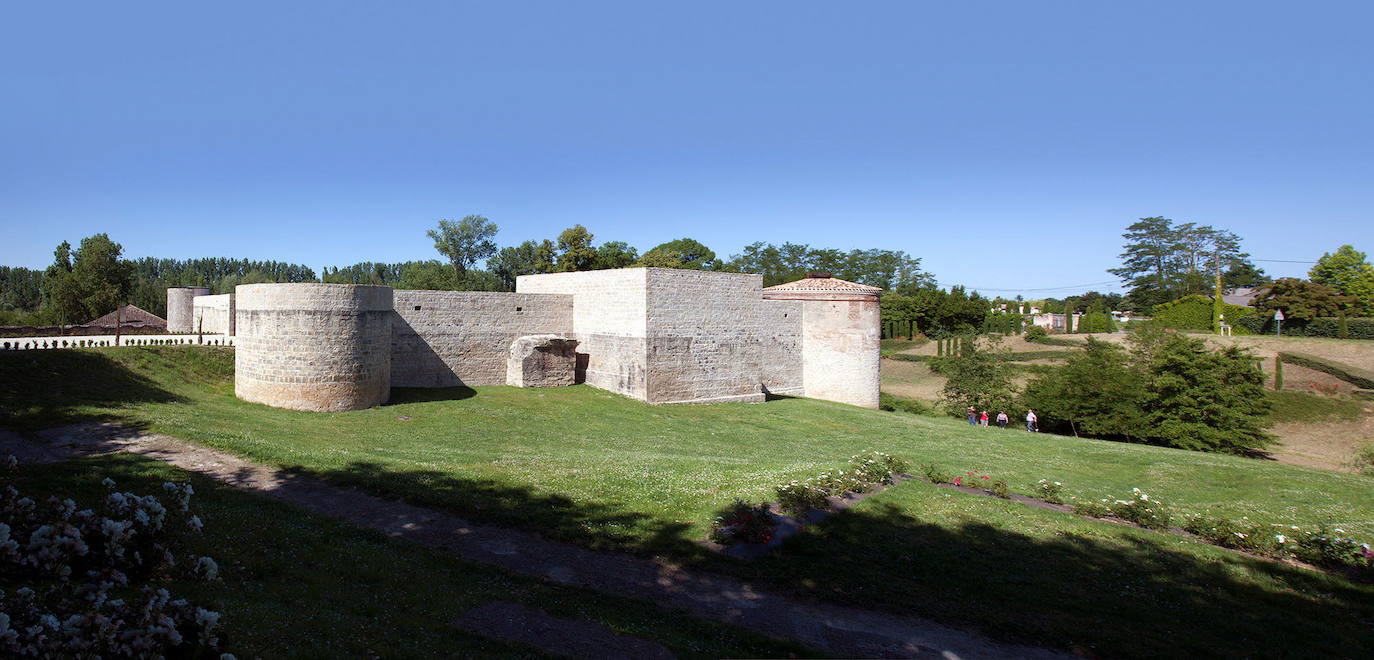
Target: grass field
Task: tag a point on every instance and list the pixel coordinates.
(599, 469)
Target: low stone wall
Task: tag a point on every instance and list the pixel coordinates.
(213, 314)
(452, 338)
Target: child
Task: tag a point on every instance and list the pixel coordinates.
(983, 419)
(1002, 420)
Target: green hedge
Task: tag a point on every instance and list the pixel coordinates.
(1195, 313)
(1355, 376)
(1356, 328)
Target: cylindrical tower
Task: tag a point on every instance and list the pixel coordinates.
(321, 347)
(840, 337)
(181, 310)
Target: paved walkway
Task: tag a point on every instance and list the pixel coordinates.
(836, 630)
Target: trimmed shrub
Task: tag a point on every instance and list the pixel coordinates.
(1036, 333)
(1354, 375)
(1195, 313)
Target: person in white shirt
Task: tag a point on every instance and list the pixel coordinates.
(1031, 421)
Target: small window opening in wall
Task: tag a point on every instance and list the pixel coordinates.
(784, 314)
(519, 309)
(417, 308)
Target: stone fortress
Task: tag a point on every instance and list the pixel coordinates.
(654, 334)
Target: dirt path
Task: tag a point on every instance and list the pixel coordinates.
(831, 629)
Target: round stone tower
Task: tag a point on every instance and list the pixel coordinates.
(181, 310)
(319, 347)
(841, 330)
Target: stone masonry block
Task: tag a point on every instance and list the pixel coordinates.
(541, 361)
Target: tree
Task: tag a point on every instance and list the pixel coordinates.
(575, 251)
(615, 254)
(61, 296)
(1204, 400)
(528, 258)
(1349, 272)
(464, 242)
(1163, 261)
(90, 282)
(1301, 300)
(979, 378)
(1097, 392)
(685, 253)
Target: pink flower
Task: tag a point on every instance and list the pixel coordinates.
(958, 481)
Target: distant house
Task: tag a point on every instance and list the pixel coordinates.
(129, 317)
(1242, 296)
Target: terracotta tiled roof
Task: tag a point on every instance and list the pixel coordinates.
(130, 315)
(823, 284)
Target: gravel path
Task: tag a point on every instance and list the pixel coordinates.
(836, 630)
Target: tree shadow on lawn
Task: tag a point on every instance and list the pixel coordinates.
(489, 502)
(43, 391)
(1120, 596)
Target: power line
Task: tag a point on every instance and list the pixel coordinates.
(1284, 261)
(1049, 288)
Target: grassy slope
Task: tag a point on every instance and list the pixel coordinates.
(300, 585)
(596, 468)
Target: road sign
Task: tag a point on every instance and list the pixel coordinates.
(1278, 315)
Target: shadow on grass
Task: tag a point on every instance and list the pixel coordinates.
(1099, 595)
(490, 502)
(401, 395)
(44, 389)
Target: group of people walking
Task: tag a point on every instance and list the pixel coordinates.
(976, 418)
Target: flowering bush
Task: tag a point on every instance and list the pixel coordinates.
(841, 482)
(743, 522)
(1050, 491)
(1326, 546)
(974, 480)
(1141, 510)
(1239, 534)
(877, 467)
(1093, 508)
(798, 497)
(80, 567)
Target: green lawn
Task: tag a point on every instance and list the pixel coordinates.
(599, 469)
(294, 584)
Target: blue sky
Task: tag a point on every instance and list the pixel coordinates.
(1006, 144)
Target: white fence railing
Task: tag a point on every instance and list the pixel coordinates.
(93, 341)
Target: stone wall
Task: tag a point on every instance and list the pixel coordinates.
(703, 332)
(452, 338)
(609, 322)
(321, 347)
(780, 354)
(213, 314)
(181, 307)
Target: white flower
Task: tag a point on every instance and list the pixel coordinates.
(1281, 538)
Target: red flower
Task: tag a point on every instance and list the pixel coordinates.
(958, 481)
(982, 477)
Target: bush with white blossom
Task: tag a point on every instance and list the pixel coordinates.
(81, 581)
